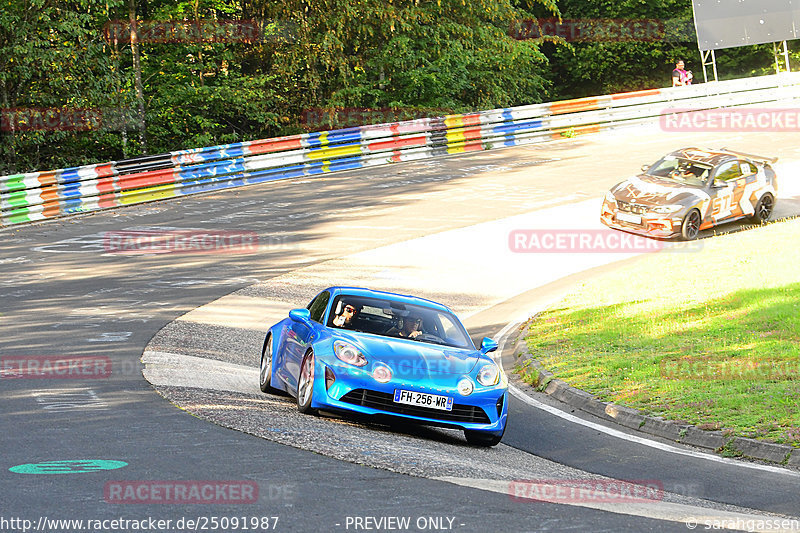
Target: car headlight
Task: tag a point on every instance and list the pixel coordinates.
(348, 353)
(666, 209)
(382, 373)
(465, 387)
(489, 375)
(611, 198)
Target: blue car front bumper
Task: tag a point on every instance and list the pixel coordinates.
(342, 387)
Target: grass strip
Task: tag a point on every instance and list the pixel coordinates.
(710, 338)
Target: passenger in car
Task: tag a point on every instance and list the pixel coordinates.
(345, 318)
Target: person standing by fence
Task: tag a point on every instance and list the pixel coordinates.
(680, 76)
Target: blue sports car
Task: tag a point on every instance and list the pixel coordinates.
(387, 355)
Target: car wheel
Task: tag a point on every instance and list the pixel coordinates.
(305, 384)
(691, 225)
(482, 438)
(763, 209)
(265, 371)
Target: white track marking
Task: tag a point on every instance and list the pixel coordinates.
(502, 335)
(655, 509)
(646, 442)
(179, 370)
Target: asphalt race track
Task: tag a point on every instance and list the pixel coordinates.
(197, 318)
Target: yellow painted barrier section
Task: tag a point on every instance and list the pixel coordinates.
(469, 145)
(333, 153)
(454, 121)
(454, 136)
(158, 192)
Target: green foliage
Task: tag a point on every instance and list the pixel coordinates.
(437, 56)
(51, 57)
(448, 55)
(610, 66)
(414, 57)
(717, 351)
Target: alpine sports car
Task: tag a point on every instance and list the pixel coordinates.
(691, 190)
(385, 355)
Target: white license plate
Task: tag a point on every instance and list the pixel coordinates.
(627, 217)
(422, 399)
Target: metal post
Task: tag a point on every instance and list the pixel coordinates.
(786, 55)
(783, 51)
(714, 61)
(704, 54)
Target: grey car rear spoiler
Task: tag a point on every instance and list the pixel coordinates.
(763, 159)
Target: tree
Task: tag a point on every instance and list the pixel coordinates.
(51, 57)
(611, 65)
(445, 55)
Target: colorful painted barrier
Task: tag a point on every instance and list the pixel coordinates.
(42, 195)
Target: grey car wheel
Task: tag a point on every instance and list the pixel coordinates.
(691, 225)
(265, 370)
(763, 209)
(305, 384)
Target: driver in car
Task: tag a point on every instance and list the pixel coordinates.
(410, 327)
(684, 171)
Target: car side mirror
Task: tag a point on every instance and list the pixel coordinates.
(300, 315)
(645, 167)
(488, 345)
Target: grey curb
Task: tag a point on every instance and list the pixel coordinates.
(544, 381)
(776, 453)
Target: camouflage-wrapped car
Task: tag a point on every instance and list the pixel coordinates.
(690, 190)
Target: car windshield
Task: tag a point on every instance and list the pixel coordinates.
(388, 318)
(680, 170)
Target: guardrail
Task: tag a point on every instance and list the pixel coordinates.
(41, 195)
